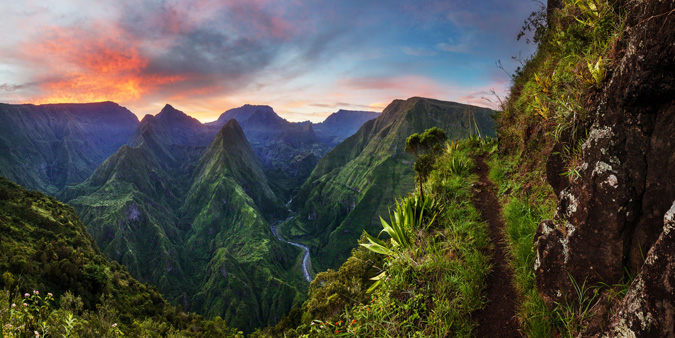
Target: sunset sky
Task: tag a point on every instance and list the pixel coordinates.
(306, 59)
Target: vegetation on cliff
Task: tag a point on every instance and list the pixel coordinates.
(55, 282)
(430, 273)
(355, 182)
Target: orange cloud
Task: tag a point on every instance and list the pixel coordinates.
(88, 66)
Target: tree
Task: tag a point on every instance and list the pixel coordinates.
(425, 148)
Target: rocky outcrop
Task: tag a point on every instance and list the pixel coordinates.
(649, 307)
(611, 215)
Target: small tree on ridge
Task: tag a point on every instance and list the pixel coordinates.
(425, 148)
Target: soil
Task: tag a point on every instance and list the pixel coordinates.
(498, 318)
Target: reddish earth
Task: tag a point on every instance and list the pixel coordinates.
(498, 319)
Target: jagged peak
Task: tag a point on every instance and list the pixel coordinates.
(169, 113)
(169, 110)
(147, 118)
(231, 132)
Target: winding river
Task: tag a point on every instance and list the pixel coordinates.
(305, 256)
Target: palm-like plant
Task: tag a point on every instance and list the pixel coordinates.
(407, 217)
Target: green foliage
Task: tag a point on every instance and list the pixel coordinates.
(522, 219)
(44, 246)
(549, 96)
(572, 313)
(408, 217)
(353, 185)
(435, 264)
(425, 147)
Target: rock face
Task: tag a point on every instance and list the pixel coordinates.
(649, 307)
(613, 213)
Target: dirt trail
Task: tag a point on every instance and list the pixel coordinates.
(498, 319)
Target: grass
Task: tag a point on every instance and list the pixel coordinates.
(522, 211)
(522, 219)
(434, 269)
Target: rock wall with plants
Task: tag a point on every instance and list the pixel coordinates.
(593, 110)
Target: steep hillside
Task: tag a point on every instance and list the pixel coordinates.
(45, 147)
(340, 125)
(431, 275)
(46, 251)
(358, 179)
(241, 271)
(586, 155)
(195, 229)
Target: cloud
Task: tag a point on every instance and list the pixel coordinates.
(453, 48)
(418, 51)
(10, 88)
(303, 57)
(86, 65)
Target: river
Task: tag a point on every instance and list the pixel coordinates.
(305, 256)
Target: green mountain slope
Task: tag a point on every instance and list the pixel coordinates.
(243, 273)
(44, 246)
(355, 182)
(48, 146)
(288, 151)
(193, 225)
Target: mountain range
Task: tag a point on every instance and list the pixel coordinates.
(46, 147)
(188, 206)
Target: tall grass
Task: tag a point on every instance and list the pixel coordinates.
(522, 219)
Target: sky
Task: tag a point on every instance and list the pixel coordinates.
(305, 58)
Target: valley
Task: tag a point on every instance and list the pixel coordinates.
(550, 214)
(196, 209)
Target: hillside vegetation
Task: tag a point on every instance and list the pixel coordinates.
(425, 277)
(356, 181)
(48, 146)
(198, 230)
(582, 142)
(56, 282)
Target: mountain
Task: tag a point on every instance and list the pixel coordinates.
(340, 125)
(288, 151)
(173, 137)
(46, 147)
(243, 113)
(240, 270)
(193, 220)
(45, 247)
(356, 181)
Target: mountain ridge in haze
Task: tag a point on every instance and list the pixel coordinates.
(46, 147)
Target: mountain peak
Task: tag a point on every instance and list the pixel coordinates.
(173, 115)
(245, 112)
(169, 110)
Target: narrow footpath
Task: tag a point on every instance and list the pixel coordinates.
(498, 319)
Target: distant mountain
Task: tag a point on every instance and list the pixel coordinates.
(192, 220)
(45, 147)
(358, 180)
(288, 151)
(243, 113)
(340, 125)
